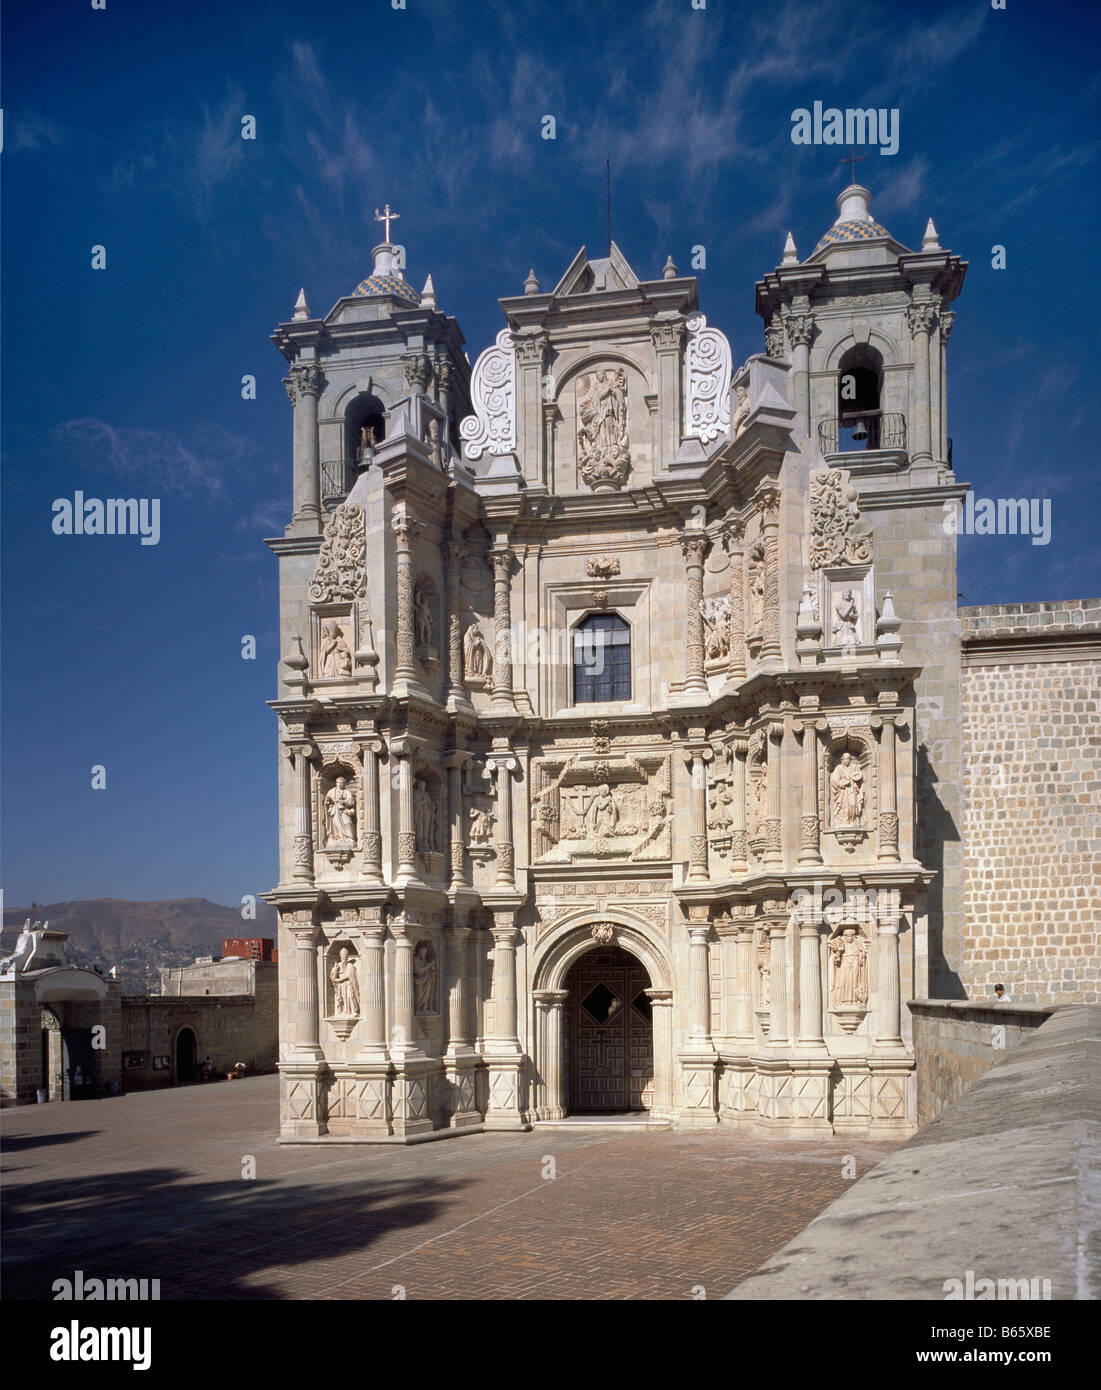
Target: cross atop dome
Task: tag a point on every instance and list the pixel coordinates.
(386, 217)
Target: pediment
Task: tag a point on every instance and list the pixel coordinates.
(591, 276)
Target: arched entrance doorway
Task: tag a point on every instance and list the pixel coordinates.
(185, 1056)
(609, 1042)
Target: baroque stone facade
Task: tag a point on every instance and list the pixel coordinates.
(619, 702)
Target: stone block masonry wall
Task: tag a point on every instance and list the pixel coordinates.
(227, 1029)
(956, 1042)
(1032, 791)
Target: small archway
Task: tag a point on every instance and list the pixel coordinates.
(859, 398)
(364, 428)
(186, 1052)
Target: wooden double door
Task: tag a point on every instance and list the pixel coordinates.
(610, 1033)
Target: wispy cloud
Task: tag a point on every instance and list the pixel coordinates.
(160, 460)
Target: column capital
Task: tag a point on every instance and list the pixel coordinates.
(920, 318)
(406, 528)
(767, 498)
(800, 329)
(550, 998)
(308, 379)
(501, 559)
(694, 544)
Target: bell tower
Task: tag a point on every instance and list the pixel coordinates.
(865, 323)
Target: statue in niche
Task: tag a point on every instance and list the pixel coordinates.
(435, 444)
(603, 451)
(481, 825)
(424, 978)
(602, 813)
(757, 587)
(422, 618)
(764, 978)
(722, 807)
(761, 798)
(844, 629)
(479, 662)
(340, 814)
(847, 791)
(741, 412)
(425, 818)
(336, 657)
(850, 962)
(345, 985)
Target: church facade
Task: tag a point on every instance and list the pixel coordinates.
(620, 700)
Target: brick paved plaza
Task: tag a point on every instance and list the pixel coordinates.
(150, 1186)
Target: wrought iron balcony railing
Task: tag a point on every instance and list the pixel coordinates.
(336, 480)
(861, 430)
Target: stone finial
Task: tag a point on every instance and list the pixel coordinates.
(296, 659)
(852, 204)
(428, 294)
(669, 270)
(930, 241)
(791, 256)
(888, 643)
(531, 284)
(301, 308)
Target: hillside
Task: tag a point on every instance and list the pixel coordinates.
(141, 936)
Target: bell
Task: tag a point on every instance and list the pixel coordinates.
(861, 430)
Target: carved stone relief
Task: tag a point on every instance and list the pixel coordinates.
(340, 571)
(848, 982)
(707, 381)
(425, 978)
(336, 655)
(601, 807)
(716, 622)
(492, 427)
(603, 446)
(477, 659)
(834, 514)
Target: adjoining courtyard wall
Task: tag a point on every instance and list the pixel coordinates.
(1032, 795)
(955, 1042)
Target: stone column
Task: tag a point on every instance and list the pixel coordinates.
(700, 988)
(301, 754)
(810, 825)
(502, 560)
(921, 318)
(695, 545)
(768, 502)
(406, 675)
(744, 970)
(504, 766)
(407, 839)
(697, 760)
(667, 337)
(661, 1002)
(888, 788)
(774, 848)
(369, 751)
(739, 847)
(402, 1034)
(460, 1059)
(800, 331)
(888, 1032)
(549, 1004)
(308, 1017)
(778, 983)
(444, 381)
(410, 1085)
(304, 386)
(456, 692)
(947, 319)
(503, 1053)
(529, 351)
(735, 537)
(810, 983)
(455, 761)
(372, 1008)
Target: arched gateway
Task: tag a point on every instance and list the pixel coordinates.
(603, 1025)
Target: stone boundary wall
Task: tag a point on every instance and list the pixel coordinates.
(1032, 800)
(227, 1028)
(1002, 1186)
(956, 1041)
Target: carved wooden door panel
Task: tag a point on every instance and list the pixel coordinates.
(610, 1036)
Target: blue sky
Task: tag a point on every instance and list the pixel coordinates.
(122, 129)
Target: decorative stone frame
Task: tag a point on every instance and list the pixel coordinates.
(861, 743)
(336, 940)
(346, 615)
(848, 1017)
(567, 605)
(570, 938)
(834, 580)
(437, 955)
(336, 760)
(429, 654)
(428, 771)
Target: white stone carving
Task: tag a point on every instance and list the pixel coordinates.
(425, 977)
(492, 427)
(707, 373)
(847, 792)
(336, 656)
(847, 616)
(345, 986)
(833, 516)
(477, 660)
(340, 572)
(603, 447)
(849, 952)
(340, 815)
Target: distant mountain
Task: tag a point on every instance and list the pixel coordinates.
(138, 936)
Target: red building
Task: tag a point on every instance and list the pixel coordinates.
(250, 948)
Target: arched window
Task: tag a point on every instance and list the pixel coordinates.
(601, 659)
(364, 426)
(859, 385)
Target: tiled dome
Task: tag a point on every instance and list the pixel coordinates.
(855, 229)
(392, 285)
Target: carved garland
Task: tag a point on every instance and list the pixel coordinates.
(340, 572)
